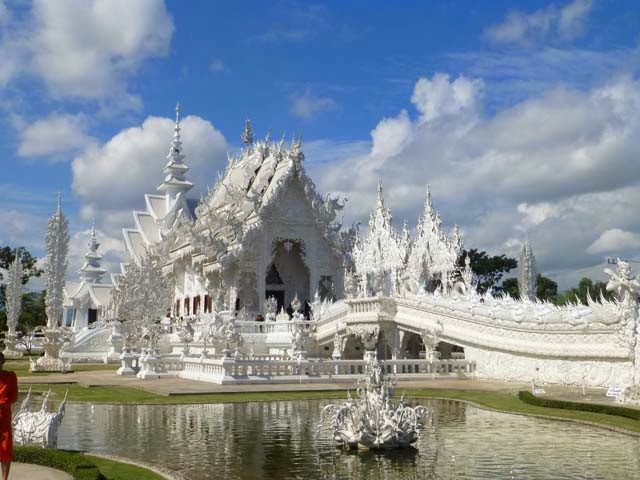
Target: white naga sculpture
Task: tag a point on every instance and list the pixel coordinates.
(38, 428)
(373, 421)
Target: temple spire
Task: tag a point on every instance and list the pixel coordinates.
(380, 194)
(247, 133)
(92, 271)
(175, 169)
(528, 274)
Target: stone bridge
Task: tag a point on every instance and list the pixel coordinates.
(508, 339)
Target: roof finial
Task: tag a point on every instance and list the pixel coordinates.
(93, 227)
(59, 208)
(178, 113)
(247, 133)
(380, 195)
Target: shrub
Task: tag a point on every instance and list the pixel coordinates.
(531, 399)
(76, 465)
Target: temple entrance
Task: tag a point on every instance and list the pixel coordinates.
(278, 295)
(287, 275)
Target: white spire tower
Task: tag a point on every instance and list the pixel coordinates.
(92, 271)
(174, 181)
(57, 246)
(13, 305)
(527, 276)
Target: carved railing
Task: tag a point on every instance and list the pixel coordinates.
(229, 370)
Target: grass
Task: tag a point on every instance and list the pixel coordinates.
(113, 470)
(84, 467)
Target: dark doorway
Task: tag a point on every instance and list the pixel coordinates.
(278, 295)
(93, 315)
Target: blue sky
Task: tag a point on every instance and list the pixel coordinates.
(520, 115)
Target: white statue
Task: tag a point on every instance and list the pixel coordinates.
(372, 421)
(38, 428)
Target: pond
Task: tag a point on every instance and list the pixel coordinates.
(277, 440)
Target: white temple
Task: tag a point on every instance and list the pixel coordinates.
(262, 231)
(267, 286)
(88, 300)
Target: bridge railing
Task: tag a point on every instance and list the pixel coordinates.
(257, 370)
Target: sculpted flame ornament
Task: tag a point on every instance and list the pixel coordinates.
(373, 421)
(626, 289)
(38, 428)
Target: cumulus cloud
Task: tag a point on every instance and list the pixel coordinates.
(438, 96)
(52, 136)
(561, 166)
(87, 49)
(112, 178)
(550, 23)
(614, 241)
(20, 228)
(307, 105)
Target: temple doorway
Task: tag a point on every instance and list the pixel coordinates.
(287, 275)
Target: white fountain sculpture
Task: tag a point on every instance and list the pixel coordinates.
(372, 421)
(38, 428)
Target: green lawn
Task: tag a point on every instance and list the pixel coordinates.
(122, 471)
(82, 466)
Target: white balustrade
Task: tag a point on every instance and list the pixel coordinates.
(262, 370)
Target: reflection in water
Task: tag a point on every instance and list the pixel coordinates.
(277, 440)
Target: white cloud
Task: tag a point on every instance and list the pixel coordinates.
(562, 166)
(550, 23)
(535, 214)
(217, 66)
(53, 136)
(438, 96)
(112, 178)
(614, 241)
(20, 228)
(86, 49)
(307, 105)
(391, 135)
(5, 14)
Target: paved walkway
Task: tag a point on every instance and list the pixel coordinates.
(27, 471)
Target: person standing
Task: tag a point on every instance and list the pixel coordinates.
(8, 396)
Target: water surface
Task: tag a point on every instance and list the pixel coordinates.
(277, 440)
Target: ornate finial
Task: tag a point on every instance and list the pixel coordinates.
(429, 196)
(175, 152)
(247, 133)
(380, 194)
(93, 228)
(59, 208)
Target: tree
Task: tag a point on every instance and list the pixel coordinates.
(511, 287)
(585, 287)
(546, 289)
(489, 270)
(29, 263)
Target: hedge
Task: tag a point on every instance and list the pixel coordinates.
(72, 463)
(531, 399)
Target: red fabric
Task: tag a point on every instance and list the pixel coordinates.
(8, 396)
